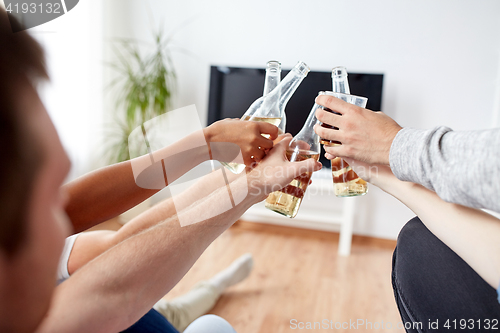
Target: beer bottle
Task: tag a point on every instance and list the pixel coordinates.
(303, 146)
(271, 107)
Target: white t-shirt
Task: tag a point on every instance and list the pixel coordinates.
(62, 270)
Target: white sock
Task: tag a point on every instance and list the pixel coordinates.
(236, 272)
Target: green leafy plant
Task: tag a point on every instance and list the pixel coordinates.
(145, 86)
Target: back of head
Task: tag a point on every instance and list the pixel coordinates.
(21, 65)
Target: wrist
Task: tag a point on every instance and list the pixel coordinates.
(256, 186)
(246, 191)
(208, 132)
(392, 185)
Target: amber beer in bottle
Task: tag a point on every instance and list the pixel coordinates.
(303, 146)
(345, 181)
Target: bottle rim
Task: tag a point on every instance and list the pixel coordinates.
(339, 73)
(273, 66)
(302, 68)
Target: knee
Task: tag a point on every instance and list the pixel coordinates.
(210, 324)
(413, 248)
(412, 232)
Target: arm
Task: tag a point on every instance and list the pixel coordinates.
(472, 234)
(110, 191)
(91, 244)
(461, 167)
(128, 279)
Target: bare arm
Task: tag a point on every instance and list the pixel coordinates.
(113, 291)
(91, 244)
(110, 191)
(472, 234)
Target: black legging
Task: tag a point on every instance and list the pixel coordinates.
(431, 282)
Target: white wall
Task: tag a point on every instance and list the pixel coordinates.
(73, 97)
(440, 58)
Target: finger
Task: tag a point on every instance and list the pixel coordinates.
(283, 144)
(281, 137)
(333, 103)
(248, 160)
(329, 156)
(267, 128)
(329, 118)
(263, 142)
(329, 133)
(336, 150)
(258, 154)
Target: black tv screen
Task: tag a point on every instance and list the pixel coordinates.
(233, 90)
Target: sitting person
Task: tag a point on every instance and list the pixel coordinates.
(446, 265)
(111, 292)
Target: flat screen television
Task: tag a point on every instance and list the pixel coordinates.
(233, 90)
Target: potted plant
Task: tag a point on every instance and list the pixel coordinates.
(144, 87)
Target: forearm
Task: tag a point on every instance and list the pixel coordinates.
(129, 278)
(472, 234)
(172, 206)
(89, 245)
(112, 190)
(462, 167)
(102, 195)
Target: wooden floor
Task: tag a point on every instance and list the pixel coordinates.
(298, 275)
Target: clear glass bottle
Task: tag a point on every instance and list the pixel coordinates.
(340, 84)
(345, 181)
(272, 80)
(303, 146)
(271, 107)
(339, 80)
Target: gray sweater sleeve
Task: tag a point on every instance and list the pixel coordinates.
(461, 167)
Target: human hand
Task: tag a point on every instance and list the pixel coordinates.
(246, 134)
(275, 171)
(365, 135)
(281, 137)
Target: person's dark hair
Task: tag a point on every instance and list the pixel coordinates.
(22, 62)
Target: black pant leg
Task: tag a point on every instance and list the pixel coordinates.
(431, 282)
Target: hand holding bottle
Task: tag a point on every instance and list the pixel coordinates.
(246, 134)
(305, 146)
(270, 108)
(365, 135)
(276, 171)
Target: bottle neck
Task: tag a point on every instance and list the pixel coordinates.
(307, 139)
(341, 86)
(288, 86)
(340, 83)
(273, 78)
